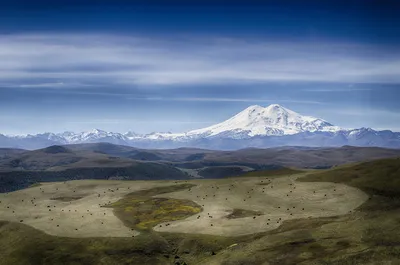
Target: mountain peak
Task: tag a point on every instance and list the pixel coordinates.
(96, 131)
(271, 120)
(253, 108)
(275, 106)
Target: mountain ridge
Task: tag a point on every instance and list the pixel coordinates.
(255, 126)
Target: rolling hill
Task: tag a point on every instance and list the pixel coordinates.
(19, 168)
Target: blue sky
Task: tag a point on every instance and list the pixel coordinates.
(148, 66)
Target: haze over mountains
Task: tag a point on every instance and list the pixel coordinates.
(255, 126)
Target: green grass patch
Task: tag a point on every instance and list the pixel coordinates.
(66, 198)
(161, 190)
(139, 210)
(37, 184)
(241, 213)
(220, 172)
(272, 172)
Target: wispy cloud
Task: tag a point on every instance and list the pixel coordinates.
(368, 113)
(130, 121)
(125, 60)
(216, 99)
(340, 89)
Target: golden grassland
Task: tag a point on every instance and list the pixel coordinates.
(367, 236)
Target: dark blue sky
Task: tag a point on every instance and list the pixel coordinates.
(363, 20)
(151, 66)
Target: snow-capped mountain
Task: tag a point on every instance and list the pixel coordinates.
(273, 120)
(94, 135)
(255, 126)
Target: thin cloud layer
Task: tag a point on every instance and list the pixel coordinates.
(70, 61)
(219, 99)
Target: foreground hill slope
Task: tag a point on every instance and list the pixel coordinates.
(368, 235)
(380, 177)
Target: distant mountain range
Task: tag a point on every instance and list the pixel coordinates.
(255, 126)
